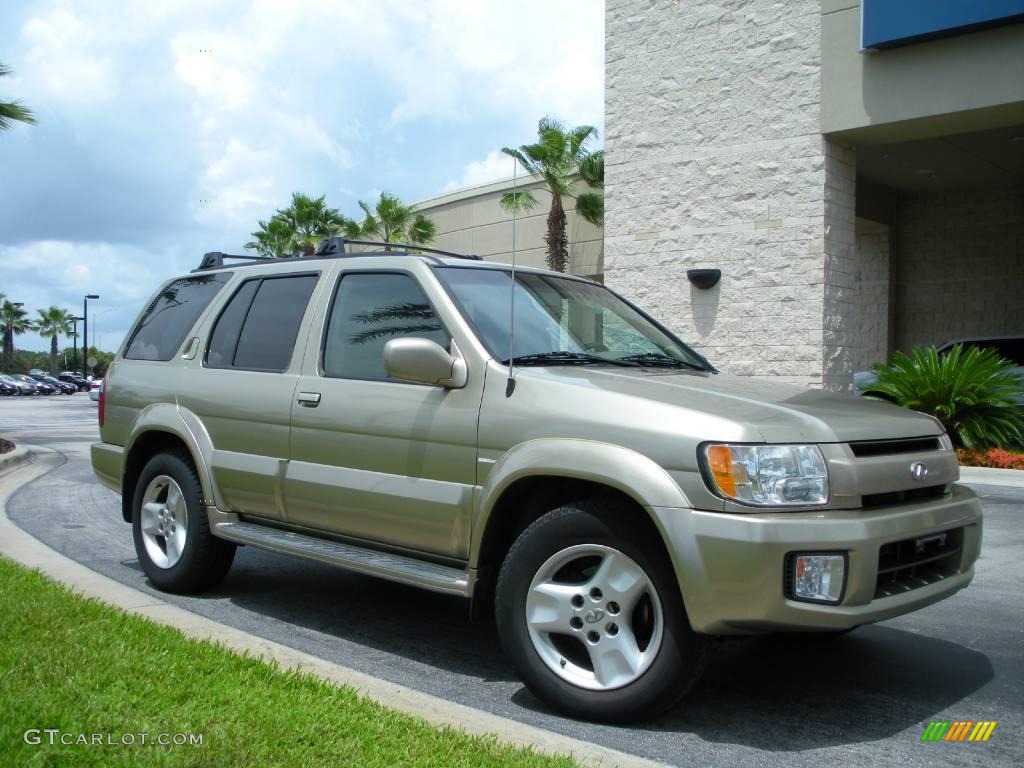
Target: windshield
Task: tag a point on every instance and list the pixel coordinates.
(561, 315)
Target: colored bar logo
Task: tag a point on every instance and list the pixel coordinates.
(959, 730)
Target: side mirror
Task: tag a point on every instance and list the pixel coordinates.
(423, 361)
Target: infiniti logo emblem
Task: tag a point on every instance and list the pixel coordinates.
(594, 615)
(918, 470)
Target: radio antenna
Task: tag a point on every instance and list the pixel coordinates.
(510, 386)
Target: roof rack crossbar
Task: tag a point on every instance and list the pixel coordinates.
(335, 246)
(215, 259)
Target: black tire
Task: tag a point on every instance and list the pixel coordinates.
(677, 663)
(204, 559)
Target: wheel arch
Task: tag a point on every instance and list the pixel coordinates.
(540, 475)
(163, 427)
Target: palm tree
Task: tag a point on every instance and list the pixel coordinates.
(53, 322)
(392, 221)
(559, 156)
(274, 238)
(12, 110)
(12, 323)
(310, 220)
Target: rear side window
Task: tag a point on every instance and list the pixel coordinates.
(170, 317)
(368, 311)
(257, 329)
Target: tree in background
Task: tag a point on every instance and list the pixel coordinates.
(558, 157)
(392, 221)
(13, 322)
(274, 238)
(12, 110)
(310, 220)
(53, 322)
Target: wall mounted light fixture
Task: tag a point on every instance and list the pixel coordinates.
(704, 278)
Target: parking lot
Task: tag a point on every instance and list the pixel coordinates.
(861, 699)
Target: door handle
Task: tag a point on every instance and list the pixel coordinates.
(308, 399)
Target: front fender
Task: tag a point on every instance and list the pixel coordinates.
(621, 468)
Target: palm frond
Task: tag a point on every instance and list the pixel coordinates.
(972, 391)
(520, 200)
(590, 206)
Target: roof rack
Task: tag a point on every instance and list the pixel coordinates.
(329, 248)
(335, 246)
(215, 260)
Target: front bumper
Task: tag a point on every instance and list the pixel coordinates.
(731, 567)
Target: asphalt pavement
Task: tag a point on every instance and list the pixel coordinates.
(789, 700)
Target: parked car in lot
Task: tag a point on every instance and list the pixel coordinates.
(32, 384)
(77, 379)
(618, 501)
(8, 388)
(24, 387)
(61, 386)
(95, 387)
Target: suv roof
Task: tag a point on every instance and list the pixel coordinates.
(332, 248)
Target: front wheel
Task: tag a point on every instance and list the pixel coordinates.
(171, 529)
(589, 611)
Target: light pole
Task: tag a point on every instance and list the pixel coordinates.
(85, 332)
(9, 332)
(74, 340)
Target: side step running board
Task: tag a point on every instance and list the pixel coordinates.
(406, 570)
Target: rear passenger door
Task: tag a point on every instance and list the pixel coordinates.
(374, 458)
(243, 394)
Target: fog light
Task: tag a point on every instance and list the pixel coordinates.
(819, 578)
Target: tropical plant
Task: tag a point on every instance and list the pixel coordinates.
(309, 220)
(969, 389)
(558, 157)
(12, 110)
(274, 238)
(392, 221)
(13, 322)
(53, 322)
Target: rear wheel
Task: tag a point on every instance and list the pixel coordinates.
(590, 613)
(172, 533)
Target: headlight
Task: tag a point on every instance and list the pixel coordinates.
(767, 475)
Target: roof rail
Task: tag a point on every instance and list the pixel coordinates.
(215, 260)
(335, 246)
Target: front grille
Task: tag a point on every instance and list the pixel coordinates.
(902, 497)
(892, 447)
(913, 563)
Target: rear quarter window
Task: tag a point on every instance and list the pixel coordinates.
(171, 315)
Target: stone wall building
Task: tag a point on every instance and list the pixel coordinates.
(856, 201)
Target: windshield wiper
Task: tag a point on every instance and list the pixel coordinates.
(565, 357)
(659, 359)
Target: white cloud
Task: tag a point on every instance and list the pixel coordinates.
(495, 166)
(65, 59)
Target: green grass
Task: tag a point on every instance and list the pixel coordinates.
(81, 666)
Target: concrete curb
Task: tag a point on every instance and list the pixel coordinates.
(14, 459)
(25, 549)
(1011, 478)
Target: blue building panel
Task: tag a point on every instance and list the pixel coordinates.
(889, 23)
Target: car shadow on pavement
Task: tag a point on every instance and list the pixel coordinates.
(777, 692)
(792, 692)
(425, 627)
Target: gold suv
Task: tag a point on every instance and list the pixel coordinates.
(613, 498)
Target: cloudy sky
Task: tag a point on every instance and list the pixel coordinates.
(146, 109)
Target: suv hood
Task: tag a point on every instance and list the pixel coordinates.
(780, 413)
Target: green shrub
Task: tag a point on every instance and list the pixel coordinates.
(970, 390)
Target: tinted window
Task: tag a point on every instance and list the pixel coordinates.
(267, 337)
(224, 339)
(369, 310)
(171, 315)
